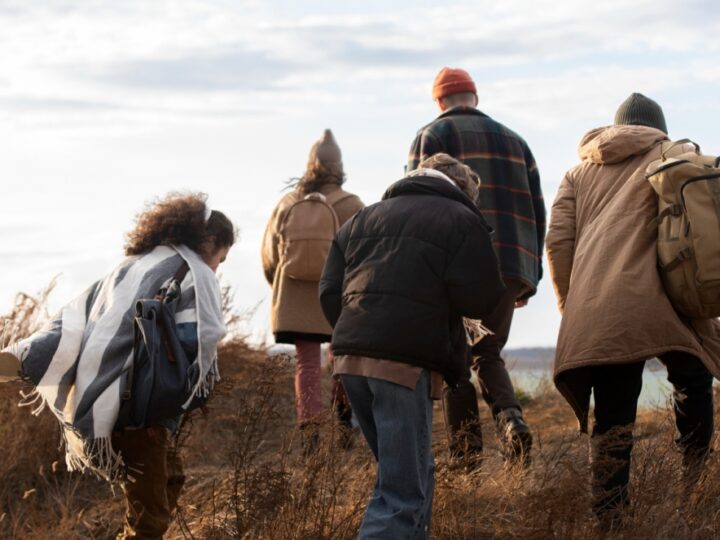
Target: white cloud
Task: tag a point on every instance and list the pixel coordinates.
(104, 104)
(140, 55)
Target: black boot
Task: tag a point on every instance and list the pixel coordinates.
(515, 436)
(462, 423)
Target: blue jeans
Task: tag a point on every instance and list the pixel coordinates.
(397, 424)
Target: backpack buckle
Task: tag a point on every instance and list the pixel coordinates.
(685, 254)
(673, 210)
(682, 256)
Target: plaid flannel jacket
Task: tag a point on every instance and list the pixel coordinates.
(510, 195)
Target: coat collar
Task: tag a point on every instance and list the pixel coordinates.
(434, 173)
(429, 185)
(460, 109)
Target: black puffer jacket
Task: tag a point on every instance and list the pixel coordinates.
(403, 272)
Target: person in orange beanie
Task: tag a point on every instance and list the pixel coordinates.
(511, 201)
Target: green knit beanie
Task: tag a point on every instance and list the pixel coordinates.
(638, 110)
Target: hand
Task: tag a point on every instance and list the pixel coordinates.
(521, 303)
(9, 366)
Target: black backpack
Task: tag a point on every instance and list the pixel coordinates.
(161, 378)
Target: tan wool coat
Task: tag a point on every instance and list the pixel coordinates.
(603, 263)
(296, 304)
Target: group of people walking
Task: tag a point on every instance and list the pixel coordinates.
(420, 289)
(413, 293)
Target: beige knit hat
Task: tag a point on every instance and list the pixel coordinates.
(326, 152)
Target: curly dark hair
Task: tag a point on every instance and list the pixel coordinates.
(179, 218)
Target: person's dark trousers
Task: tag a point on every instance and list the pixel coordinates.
(343, 412)
(497, 389)
(338, 397)
(616, 389)
(341, 403)
(462, 420)
(462, 417)
(693, 404)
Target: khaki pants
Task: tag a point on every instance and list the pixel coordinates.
(155, 478)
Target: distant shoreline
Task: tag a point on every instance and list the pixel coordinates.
(519, 358)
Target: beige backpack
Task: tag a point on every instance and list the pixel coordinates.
(688, 226)
(306, 234)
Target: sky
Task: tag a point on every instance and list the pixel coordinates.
(105, 106)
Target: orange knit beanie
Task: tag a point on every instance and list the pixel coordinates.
(452, 81)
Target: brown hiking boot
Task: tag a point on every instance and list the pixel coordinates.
(515, 436)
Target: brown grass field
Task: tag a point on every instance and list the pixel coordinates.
(246, 478)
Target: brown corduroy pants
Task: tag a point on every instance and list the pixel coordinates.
(155, 479)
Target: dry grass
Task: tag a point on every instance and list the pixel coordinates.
(247, 479)
(38, 497)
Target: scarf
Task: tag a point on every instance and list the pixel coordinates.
(77, 361)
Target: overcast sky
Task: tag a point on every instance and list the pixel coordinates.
(106, 105)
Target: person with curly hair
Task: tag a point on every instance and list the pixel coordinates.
(187, 220)
(296, 315)
(87, 371)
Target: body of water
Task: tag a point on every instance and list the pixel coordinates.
(656, 390)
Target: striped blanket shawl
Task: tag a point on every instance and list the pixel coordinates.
(78, 360)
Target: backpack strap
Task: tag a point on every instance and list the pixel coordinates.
(678, 143)
(179, 276)
(331, 199)
(337, 196)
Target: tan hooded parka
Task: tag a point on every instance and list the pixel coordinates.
(603, 263)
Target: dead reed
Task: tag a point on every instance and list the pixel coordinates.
(247, 477)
